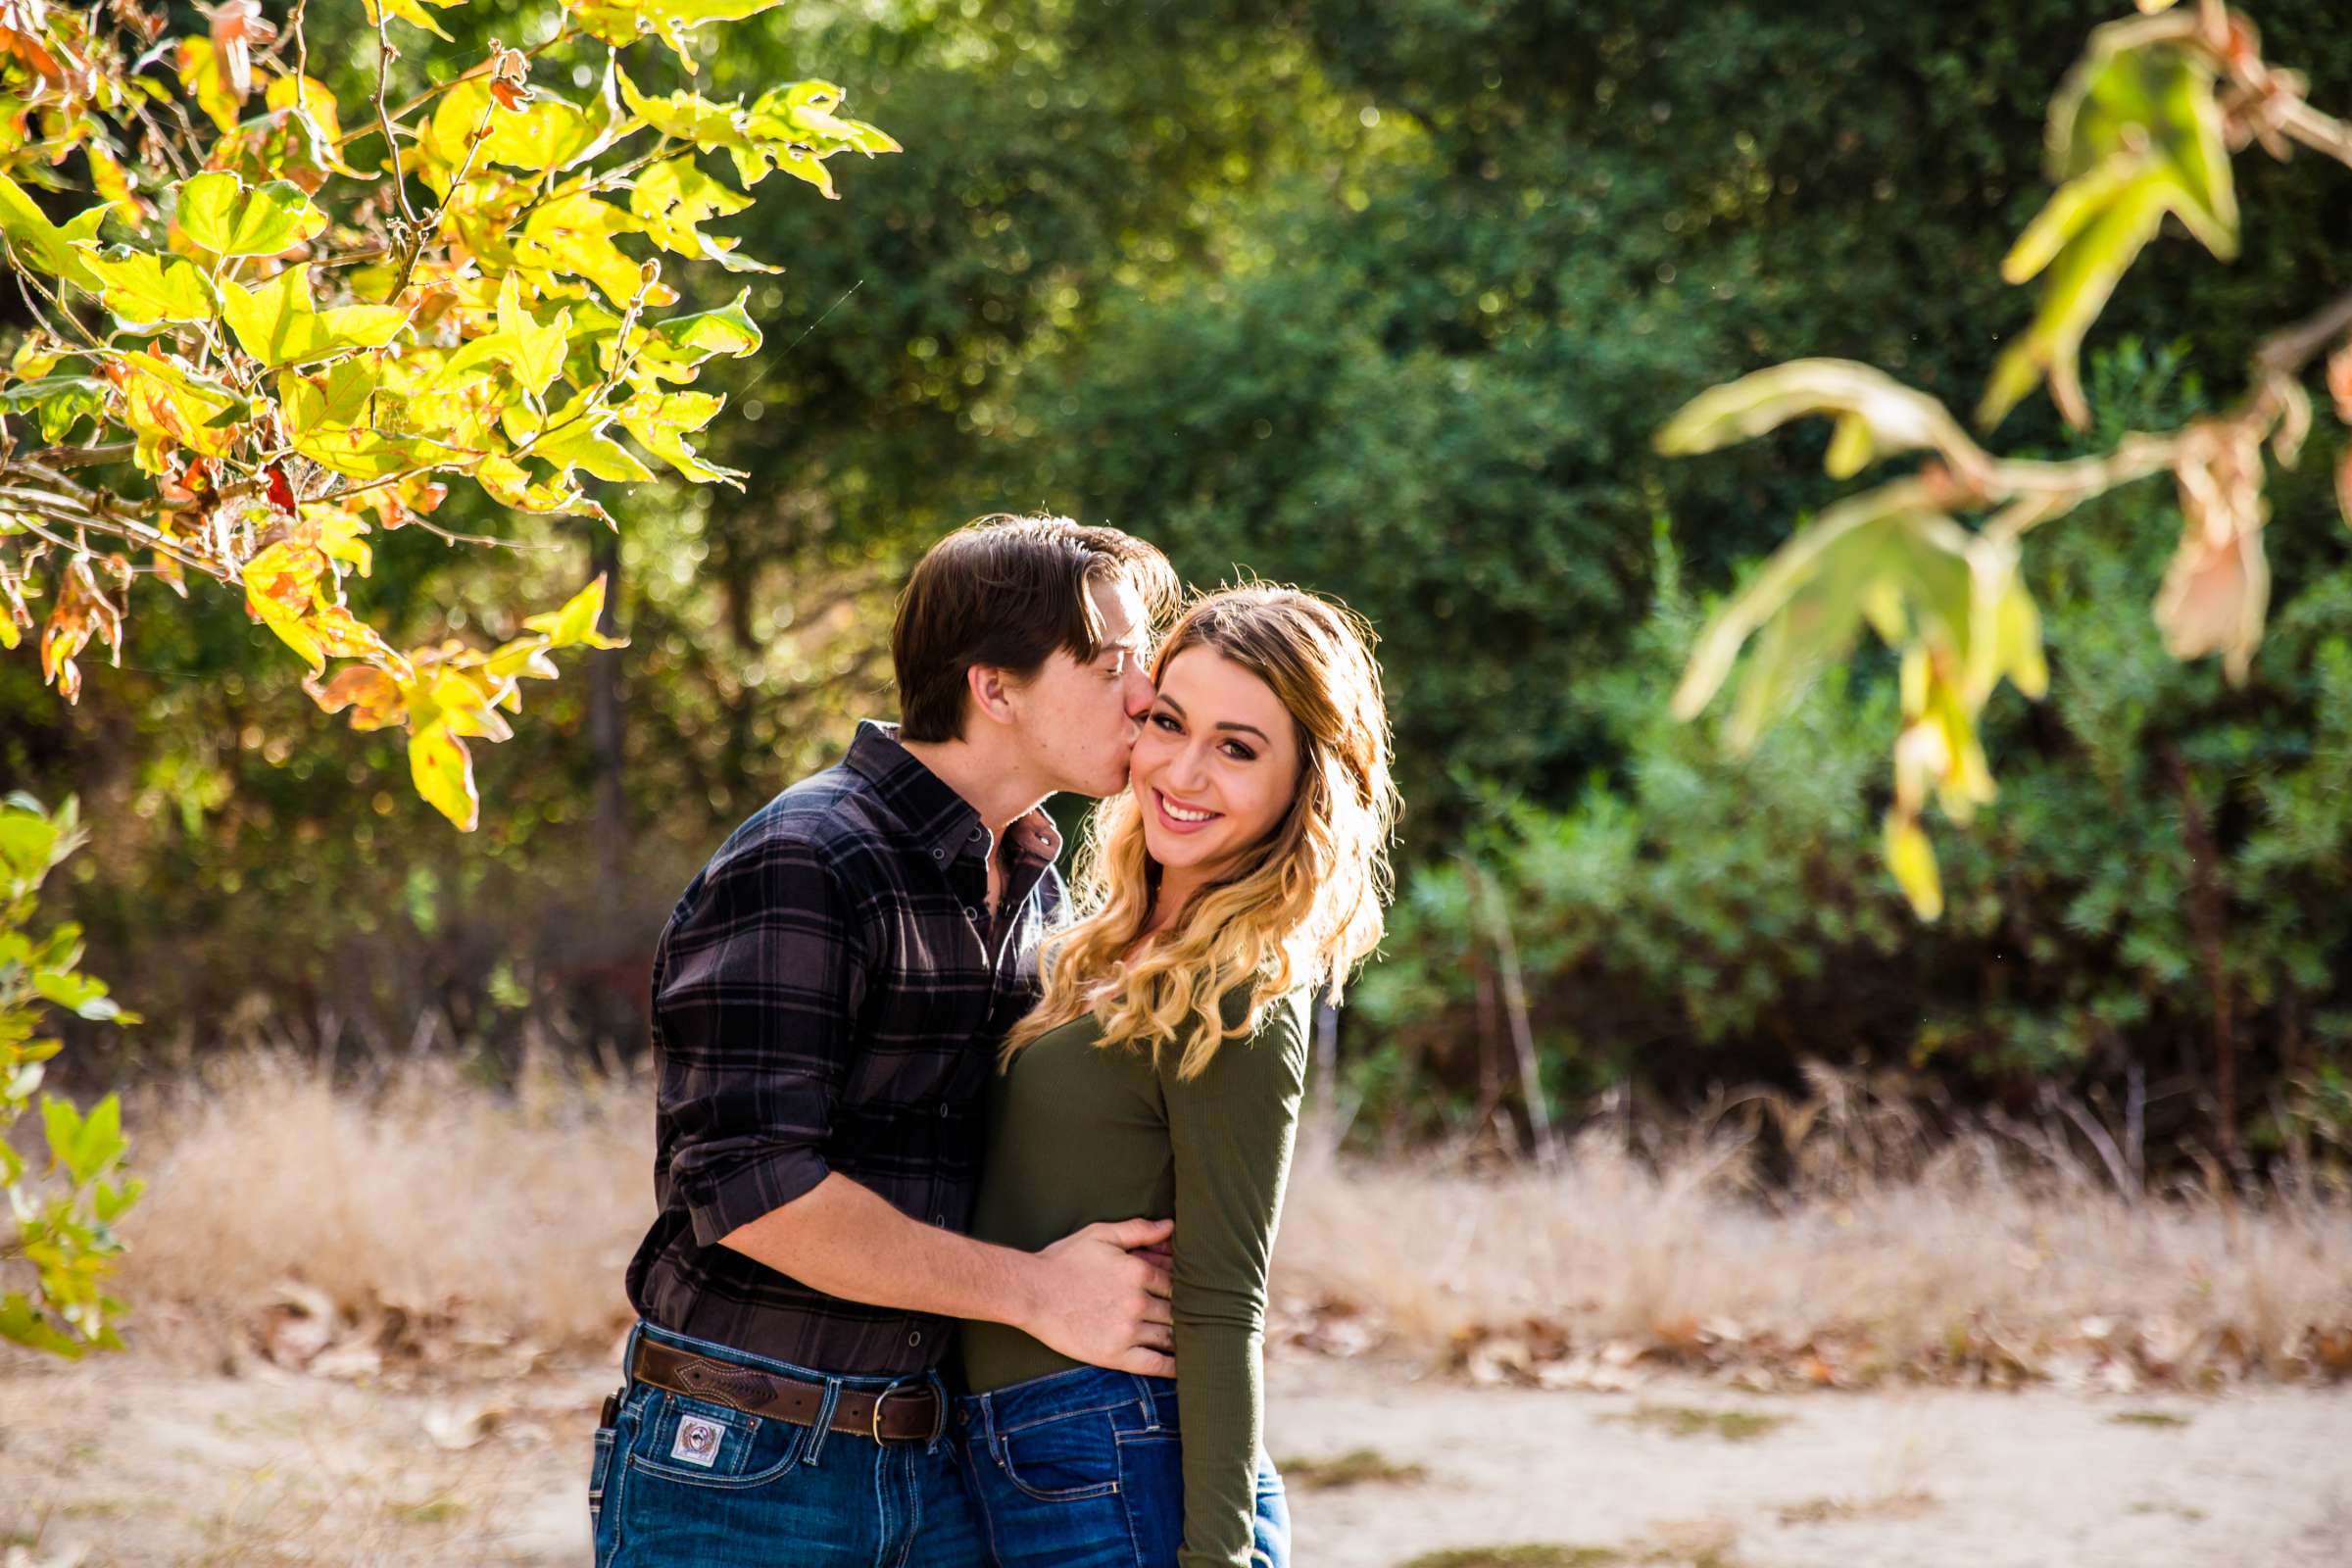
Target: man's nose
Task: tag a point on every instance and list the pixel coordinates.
(1140, 695)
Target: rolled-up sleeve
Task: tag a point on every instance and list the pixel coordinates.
(764, 974)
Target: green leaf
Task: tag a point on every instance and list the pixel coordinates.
(222, 214)
(109, 1202)
(534, 353)
(102, 1141)
(61, 1124)
(76, 993)
(671, 199)
(545, 133)
(662, 421)
(1890, 414)
(574, 625)
(340, 398)
(56, 403)
(2136, 132)
(41, 243)
(23, 1323)
(1849, 549)
(573, 234)
(146, 290)
(28, 843)
(278, 326)
(2080, 282)
(620, 22)
(681, 342)
(574, 438)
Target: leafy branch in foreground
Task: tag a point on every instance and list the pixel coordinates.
(275, 333)
(62, 1229)
(2143, 127)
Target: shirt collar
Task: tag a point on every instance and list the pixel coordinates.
(933, 816)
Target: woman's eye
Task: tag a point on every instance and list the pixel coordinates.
(1167, 722)
(1239, 752)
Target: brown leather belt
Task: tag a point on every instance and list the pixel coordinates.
(911, 1412)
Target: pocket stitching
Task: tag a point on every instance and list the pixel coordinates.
(1002, 1454)
(736, 1421)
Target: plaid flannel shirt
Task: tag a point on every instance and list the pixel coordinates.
(828, 995)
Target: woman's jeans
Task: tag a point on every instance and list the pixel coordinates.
(1084, 1469)
(679, 1481)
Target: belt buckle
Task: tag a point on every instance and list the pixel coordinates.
(938, 1418)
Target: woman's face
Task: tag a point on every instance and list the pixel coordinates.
(1216, 766)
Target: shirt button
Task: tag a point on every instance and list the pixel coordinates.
(917, 1338)
(945, 1110)
(939, 855)
(970, 914)
(939, 1219)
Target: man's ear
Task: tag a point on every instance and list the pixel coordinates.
(991, 691)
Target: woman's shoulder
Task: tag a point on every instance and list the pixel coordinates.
(1274, 1046)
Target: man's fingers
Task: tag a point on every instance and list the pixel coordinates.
(1157, 1310)
(1156, 1336)
(1150, 1363)
(1131, 1234)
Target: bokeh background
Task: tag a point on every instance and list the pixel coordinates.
(1385, 298)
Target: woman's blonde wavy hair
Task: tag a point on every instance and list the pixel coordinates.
(1302, 908)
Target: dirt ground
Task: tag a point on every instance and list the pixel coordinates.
(124, 1461)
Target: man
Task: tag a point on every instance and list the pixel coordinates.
(828, 997)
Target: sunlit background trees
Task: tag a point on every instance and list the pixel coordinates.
(1388, 299)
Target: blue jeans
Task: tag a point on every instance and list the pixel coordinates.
(679, 1481)
(1084, 1469)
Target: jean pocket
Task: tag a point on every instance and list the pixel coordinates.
(698, 1444)
(1064, 1459)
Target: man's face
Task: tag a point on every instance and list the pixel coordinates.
(1079, 720)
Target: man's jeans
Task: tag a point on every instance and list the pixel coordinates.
(681, 1481)
(1084, 1469)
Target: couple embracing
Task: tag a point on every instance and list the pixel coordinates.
(968, 1185)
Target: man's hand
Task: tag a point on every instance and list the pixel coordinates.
(1102, 1297)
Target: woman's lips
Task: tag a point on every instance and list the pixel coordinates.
(1176, 824)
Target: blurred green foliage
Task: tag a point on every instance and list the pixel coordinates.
(1387, 299)
(58, 1243)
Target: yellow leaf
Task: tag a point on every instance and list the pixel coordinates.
(1912, 859)
(574, 625)
(442, 769)
(411, 11)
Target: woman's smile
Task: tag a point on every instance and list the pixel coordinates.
(1177, 818)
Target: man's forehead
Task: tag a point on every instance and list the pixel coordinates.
(1122, 610)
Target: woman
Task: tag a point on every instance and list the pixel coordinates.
(1244, 869)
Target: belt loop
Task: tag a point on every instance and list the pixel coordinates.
(1143, 1395)
(628, 1352)
(824, 1421)
(939, 1428)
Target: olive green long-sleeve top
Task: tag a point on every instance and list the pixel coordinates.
(1079, 1133)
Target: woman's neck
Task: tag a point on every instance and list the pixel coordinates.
(1168, 899)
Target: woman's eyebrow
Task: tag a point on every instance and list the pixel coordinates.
(1247, 729)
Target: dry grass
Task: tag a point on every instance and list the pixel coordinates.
(422, 1199)
(1968, 1263)
(421, 1202)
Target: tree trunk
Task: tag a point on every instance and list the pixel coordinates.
(2208, 918)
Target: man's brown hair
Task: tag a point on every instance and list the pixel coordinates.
(1007, 591)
